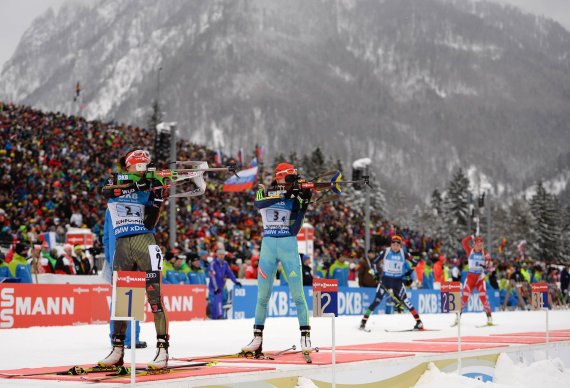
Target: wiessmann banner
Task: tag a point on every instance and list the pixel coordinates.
(27, 305)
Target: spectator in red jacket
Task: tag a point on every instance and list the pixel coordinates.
(251, 271)
(438, 273)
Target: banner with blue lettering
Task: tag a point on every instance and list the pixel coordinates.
(351, 301)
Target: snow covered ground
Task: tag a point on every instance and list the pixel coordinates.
(55, 346)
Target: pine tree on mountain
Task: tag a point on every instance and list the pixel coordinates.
(553, 239)
(520, 221)
(454, 211)
(449, 230)
(458, 196)
(546, 214)
(436, 202)
(565, 233)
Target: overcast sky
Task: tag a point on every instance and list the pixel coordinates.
(17, 15)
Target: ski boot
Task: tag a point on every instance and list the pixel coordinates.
(255, 347)
(115, 358)
(160, 360)
(489, 320)
(364, 321)
(306, 347)
(419, 325)
(306, 339)
(455, 322)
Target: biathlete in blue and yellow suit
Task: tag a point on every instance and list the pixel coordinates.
(395, 268)
(282, 209)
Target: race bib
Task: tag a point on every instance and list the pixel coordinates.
(126, 213)
(393, 267)
(155, 257)
(275, 218)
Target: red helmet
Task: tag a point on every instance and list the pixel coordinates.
(138, 158)
(284, 169)
(396, 238)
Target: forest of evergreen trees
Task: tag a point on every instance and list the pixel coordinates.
(538, 226)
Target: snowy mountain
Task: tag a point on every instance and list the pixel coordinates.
(420, 87)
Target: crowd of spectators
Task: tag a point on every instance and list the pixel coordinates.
(52, 168)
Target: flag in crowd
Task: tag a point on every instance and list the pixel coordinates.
(243, 182)
(49, 238)
(218, 157)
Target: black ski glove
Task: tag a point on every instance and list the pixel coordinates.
(157, 196)
(238, 284)
(306, 194)
(142, 184)
(217, 291)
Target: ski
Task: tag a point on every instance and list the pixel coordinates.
(74, 370)
(486, 325)
(406, 330)
(242, 354)
(306, 354)
(126, 372)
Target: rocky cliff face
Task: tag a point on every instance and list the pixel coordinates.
(420, 87)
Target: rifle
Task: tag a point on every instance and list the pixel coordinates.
(175, 177)
(319, 184)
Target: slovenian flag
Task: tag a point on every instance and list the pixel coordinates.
(244, 182)
(253, 163)
(49, 238)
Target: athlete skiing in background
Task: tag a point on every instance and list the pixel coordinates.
(282, 209)
(134, 211)
(478, 261)
(396, 270)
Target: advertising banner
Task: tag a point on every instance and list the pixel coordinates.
(351, 301)
(28, 305)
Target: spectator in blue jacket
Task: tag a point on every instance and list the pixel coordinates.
(196, 275)
(219, 270)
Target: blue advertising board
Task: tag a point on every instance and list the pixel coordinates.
(351, 301)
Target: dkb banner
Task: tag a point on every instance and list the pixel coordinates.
(351, 301)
